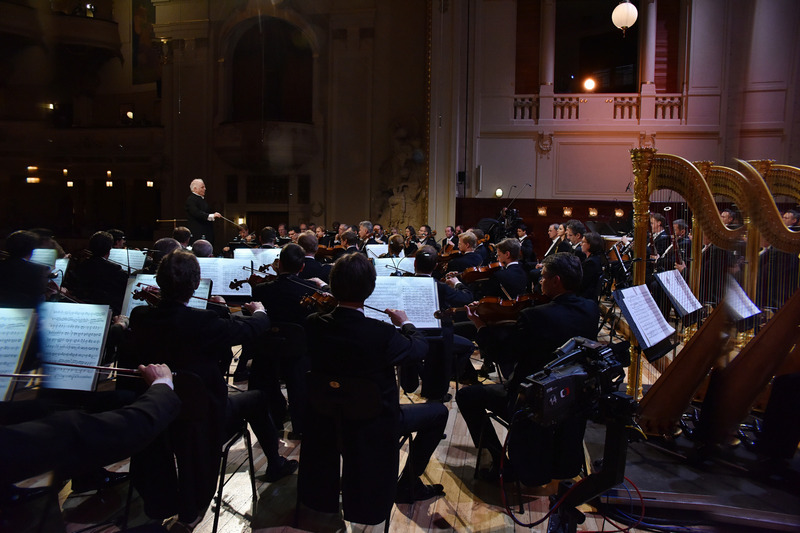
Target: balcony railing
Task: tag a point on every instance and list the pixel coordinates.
(596, 107)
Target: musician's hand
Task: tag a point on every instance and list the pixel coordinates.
(317, 281)
(397, 316)
(252, 307)
(680, 267)
(474, 318)
(150, 373)
(122, 320)
(452, 281)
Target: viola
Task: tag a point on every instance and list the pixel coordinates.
(323, 302)
(494, 310)
(480, 273)
(151, 296)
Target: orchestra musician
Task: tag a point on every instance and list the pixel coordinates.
(345, 342)
(96, 279)
(378, 234)
(480, 248)
(450, 238)
(183, 235)
(22, 283)
(267, 237)
(593, 247)
(312, 268)
(792, 219)
(466, 245)
(349, 245)
(574, 235)
(425, 237)
(203, 248)
(396, 247)
(365, 235)
(527, 254)
(565, 316)
(119, 238)
(194, 340)
(200, 218)
(507, 282)
(410, 244)
(659, 238)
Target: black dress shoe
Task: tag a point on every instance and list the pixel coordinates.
(275, 472)
(419, 493)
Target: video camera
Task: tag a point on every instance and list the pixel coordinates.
(571, 385)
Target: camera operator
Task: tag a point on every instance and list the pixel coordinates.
(539, 331)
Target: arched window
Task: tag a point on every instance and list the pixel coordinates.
(272, 74)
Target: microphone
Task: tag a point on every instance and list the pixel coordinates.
(628, 188)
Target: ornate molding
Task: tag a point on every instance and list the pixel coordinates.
(544, 144)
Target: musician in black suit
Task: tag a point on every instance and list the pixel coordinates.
(426, 238)
(71, 443)
(345, 342)
(555, 244)
(510, 280)
(349, 245)
(527, 254)
(200, 218)
(450, 238)
(574, 234)
(22, 283)
(466, 245)
(480, 248)
(592, 247)
(659, 238)
(96, 279)
(365, 236)
(538, 332)
(195, 341)
(312, 268)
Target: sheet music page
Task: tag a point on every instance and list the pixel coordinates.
(124, 256)
(72, 333)
(388, 265)
(15, 335)
(259, 256)
(376, 250)
(679, 292)
(418, 297)
(641, 311)
(44, 256)
(739, 304)
(59, 269)
(222, 271)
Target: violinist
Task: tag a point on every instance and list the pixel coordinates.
(244, 239)
(160, 248)
(480, 248)
(194, 340)
(426, 237)
(593, 248)
(267, 237)
(378, 234)
(97, 280)
(365, 236)
(349, 245)
(509, 281)
(527, 254)
(410, 244)
(313, 268)
(183, 235)
(202, 248)
(119, 238)
(22, 283)
(538, 331)
(466, 245)
(396, 246)
(450, 238)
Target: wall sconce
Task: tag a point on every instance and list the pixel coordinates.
(149, 184)
(109, 184)
(32, 168)
(70, 184)
(65, 172)
(619, 213)
(589, 84)
(592, 211)
(567, 211)
(32, 179)
(240, 220)
(542, 211)
(498, 193)
(108, 173)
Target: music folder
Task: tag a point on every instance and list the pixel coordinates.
(651, 330)
(417, 296)
(678, 292)
(16, 329)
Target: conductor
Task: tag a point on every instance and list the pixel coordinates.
(200, 220)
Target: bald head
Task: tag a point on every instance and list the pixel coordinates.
(198, 186)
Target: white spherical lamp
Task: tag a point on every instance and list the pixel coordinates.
(624, 16)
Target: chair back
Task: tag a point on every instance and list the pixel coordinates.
(288, 339)
(344, 397)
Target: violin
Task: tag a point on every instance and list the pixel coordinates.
(253, 280)
(494, 310)
(152, 295)
(323, 302)
(327, 252)
(480, 273)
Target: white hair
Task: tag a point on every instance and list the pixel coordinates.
(194, 184)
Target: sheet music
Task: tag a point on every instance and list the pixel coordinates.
(642, 313)
(124, 256)
(418, 297)
(222, 271)
(15, 335)
(44, 256)
(389, 265)
(139, 281)
(738, 303)
(72, 333)
(374, 251)
(679, 292)
(259, 256)
(59, 269)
